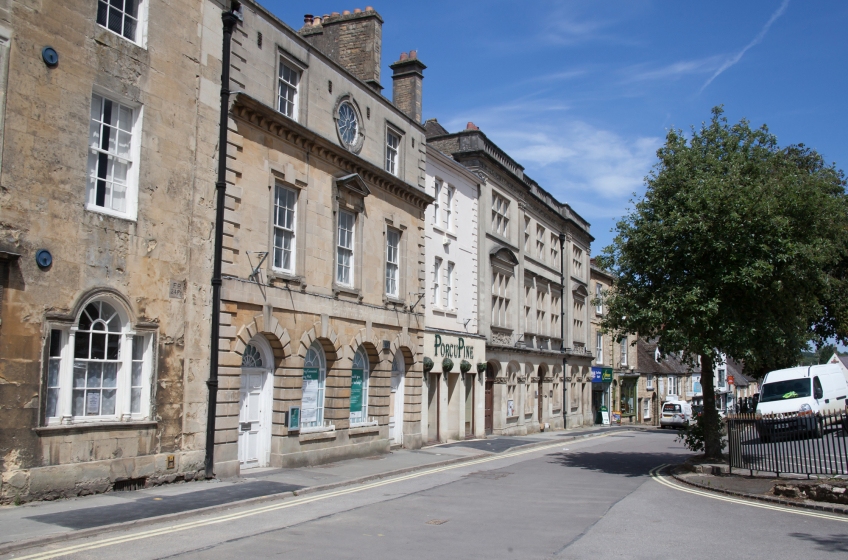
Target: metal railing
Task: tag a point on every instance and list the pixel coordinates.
(789, 443)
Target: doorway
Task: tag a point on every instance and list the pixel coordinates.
(490, 399)
(469, 405)
(433, 408)
(396, 401)
(254, 436)
(540, 399)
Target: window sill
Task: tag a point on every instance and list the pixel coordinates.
(107, 37)
(393, 300)
(95, 426)
(349, 291)
(363, 428)
(111, 213)
(284, 276)
(316, 434)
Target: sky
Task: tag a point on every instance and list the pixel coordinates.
(582, 93)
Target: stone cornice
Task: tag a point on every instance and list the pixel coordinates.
(265, 118)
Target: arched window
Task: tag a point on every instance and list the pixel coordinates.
(314, 380)
(98, 368)
(251, 358)
(359, 387)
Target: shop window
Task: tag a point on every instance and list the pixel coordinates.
(359, 387)
(314, 383)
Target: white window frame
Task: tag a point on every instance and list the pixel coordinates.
(722, 378)
(624, 351)
(97, 156)
(450, 296)
(646, 409)
(500, 215)
(526, 234)
(392, 262)
(599, 307)
(554, 250)
(672, 385)
(282, 229)
(540, 242)
(315, 357)
(284, 83)
(342, 249)
(599, 347)
(392, 151)
(361, 360)
(500, 299)
(555, 312)
(436, 300)
(450, 200)
(437, 196)
(649, 382)
(529, 315)
(132, 378)
(140, 36)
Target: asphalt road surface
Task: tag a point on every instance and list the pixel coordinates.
(598, 498)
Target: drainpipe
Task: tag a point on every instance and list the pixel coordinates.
(562, 326)
(229, 19)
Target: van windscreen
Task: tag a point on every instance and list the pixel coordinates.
(784, 390)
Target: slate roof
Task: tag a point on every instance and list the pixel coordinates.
(668, 365)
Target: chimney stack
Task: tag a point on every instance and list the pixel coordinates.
(353, 40)
(407, 86)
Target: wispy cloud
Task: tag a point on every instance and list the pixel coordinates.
(673, 71)
(757, 40)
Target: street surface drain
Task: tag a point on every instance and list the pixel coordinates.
(437, 521)
(489, 475)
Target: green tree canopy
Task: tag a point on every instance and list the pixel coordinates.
(738, 247)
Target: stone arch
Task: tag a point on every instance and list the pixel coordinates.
(404, 343)
(274, 333)
(543, 372)
(329, 340)
(369, 345)
(121, 303)
(493, 369)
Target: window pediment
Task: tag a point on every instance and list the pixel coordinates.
(503, 256)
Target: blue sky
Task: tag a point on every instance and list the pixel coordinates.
(583, 93)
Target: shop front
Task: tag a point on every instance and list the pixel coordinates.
(627, 401)
(601, 392)
(454, 386)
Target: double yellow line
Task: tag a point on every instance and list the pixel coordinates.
(655, 474)
(288, 504)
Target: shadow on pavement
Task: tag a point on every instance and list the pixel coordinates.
(150, 506)
(618, 463)
(833, 543)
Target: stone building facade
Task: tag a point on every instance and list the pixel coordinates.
(533, 278)
(321, 352)
(454, 387)
(104, 244)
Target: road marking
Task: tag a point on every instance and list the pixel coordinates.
(288, 504)
(797, 511)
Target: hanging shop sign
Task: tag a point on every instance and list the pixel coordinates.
(310, 395)
(601, 375)
(356, 378)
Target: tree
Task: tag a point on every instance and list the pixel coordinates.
(738, 247)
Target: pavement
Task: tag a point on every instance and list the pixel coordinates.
(601, 496)
(42, 522)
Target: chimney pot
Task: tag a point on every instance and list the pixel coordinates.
(357, 11)
(403, 56)
(369, 8)
(346, 13)
(316, 21)
(334, 14)
(413, 54)
(471, 126)
(307, 19)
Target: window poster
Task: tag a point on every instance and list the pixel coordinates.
(356, 379)
(510, 408)
(309, 412)
(92, 405)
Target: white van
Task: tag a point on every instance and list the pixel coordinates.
(676, 414)
(791, 399)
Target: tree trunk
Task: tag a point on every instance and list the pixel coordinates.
(710, 420)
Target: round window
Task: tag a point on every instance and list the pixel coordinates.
(348, 124)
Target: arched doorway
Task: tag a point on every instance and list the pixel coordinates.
(396, 401)
(490, 398)
(540, 395)
(254, 436)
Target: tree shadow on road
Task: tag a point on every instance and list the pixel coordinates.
(618, 463)
(833, 543)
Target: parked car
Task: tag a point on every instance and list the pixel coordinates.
(792, 400)
(676, 414)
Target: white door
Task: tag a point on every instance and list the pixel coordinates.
(396, 405)
(252, 427)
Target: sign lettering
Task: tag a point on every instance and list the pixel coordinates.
(458, 351)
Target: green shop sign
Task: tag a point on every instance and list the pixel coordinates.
(457, 351)
(356, 378)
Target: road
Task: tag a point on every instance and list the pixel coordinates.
(590, 499)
